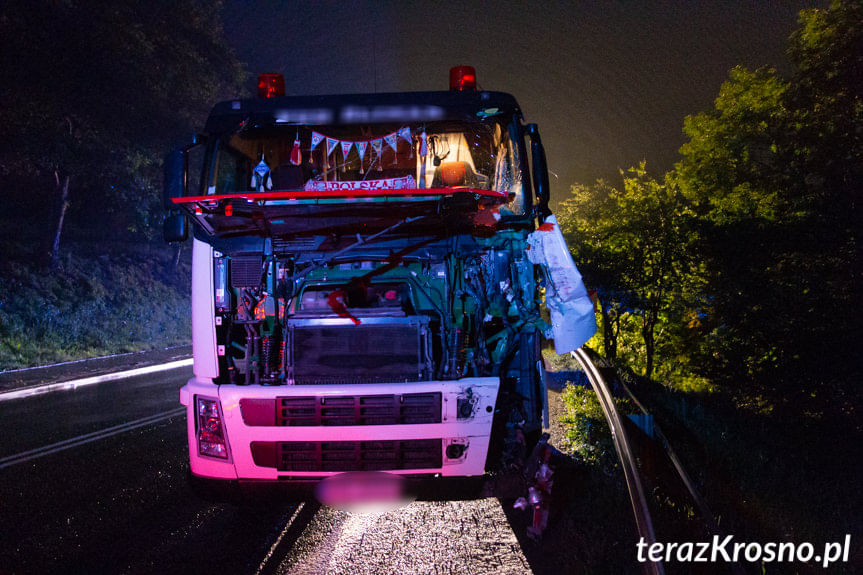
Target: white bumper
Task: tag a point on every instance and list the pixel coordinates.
(473, 431)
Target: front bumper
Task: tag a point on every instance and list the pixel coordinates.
(473, 431)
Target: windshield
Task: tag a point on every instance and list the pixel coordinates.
(445, 154)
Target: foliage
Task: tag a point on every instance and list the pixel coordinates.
(767, 189)
(587, 434)
(94, 304)
(769, 476)
(772, 173)
(634, 245)
(554, 362)
(743, 259)
(732, 167)
(94, 95)
(99, 93)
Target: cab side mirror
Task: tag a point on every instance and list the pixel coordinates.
(175, 228)
(174, 177)
(540, 172)
(176, 184)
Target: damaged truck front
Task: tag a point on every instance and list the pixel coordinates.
(366, 287)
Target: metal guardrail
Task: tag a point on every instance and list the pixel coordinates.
(643, 522)
(706, 514)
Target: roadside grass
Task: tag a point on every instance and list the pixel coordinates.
(587, 436)
(594, 526)
(103, 299)
(770, 472)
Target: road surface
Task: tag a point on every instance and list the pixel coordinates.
(93, 480)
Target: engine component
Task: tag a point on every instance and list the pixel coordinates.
(246, 271)
(272, 355)
(378, 349)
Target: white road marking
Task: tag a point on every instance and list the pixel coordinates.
(86, 359)
(25, 456)
(76, 383)
(278, 540)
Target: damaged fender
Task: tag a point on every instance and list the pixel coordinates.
(572, 314)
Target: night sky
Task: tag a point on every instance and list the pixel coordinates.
(608, 83)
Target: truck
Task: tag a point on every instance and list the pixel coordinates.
(368, 274)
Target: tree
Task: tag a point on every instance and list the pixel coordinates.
(773, 171)
(827, 98)
(731, 167)
(633, 246)
(742, 265)
(94, 94)
(584, 219)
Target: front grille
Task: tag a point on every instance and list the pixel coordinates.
(349, 455)
(314, 379)
(316, 410)
(410, 408)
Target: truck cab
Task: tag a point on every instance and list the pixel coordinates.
(364, 295)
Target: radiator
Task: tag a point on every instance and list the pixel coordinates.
(328, 350)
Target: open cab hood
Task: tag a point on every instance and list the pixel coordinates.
(312, 212)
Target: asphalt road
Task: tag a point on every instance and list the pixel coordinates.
(94, 481)
(116, 501)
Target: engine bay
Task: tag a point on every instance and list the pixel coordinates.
(389, 311)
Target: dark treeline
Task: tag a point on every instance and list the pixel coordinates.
(740, 268)
(93, 95)
(734, 281)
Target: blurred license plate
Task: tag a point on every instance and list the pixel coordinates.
(362, 489)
